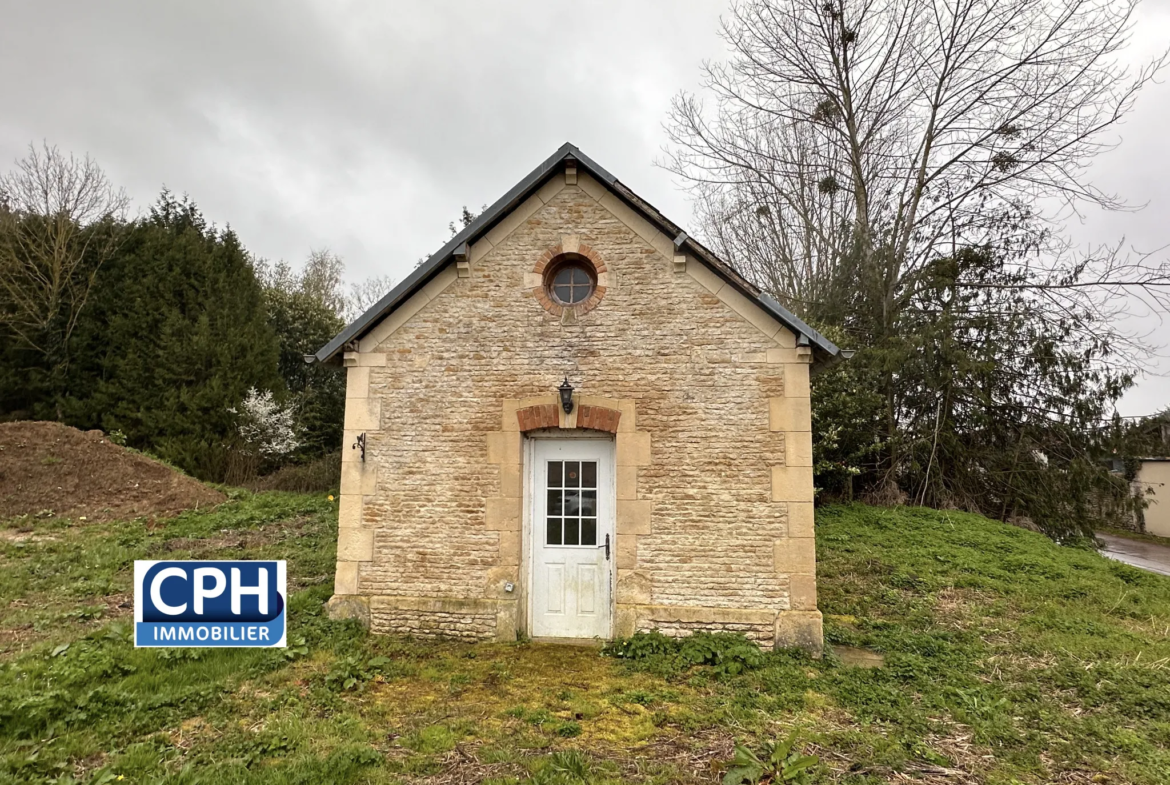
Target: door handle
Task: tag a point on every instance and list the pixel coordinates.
(606, 546)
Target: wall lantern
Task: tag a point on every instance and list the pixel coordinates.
(566, 390)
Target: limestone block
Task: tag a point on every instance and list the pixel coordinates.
(707, 279)
(503, 447)
(354, 545)
(796, 383)
(348, 606)
(511, 480)
(590, 186)
(498, 579)
(481, 249)
(633, 517)
(795, 556)
(349, 511)
(633, 587)
(780, 355)
(357, 382)
(798, 450)
(508, 421)
(690, 615)
(550, 189)
(625, 621)
(363, 414)
(346, 579)
(359, 479)
(350, 453)
(800, 519)
(627, 551)
(800, 629)
(627, 482)
(371, 359)
(509, 549)
(789, 414)
(503, 514)
(507, 621)
(627, 422)
(802, 592)
(444, 278)
(792, 484)
(633, 449)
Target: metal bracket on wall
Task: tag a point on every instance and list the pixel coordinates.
(360, 444)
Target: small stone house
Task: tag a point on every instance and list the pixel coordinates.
(575, 422)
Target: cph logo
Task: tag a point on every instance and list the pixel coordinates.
(209, 603)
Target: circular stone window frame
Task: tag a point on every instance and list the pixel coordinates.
(570, 252)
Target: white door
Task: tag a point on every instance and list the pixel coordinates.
(572, 536)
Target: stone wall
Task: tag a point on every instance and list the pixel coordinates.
(460, 625)
(709, 398)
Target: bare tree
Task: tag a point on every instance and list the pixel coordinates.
(891, 132)
(363, 295)
(60, 220)
(858, 151)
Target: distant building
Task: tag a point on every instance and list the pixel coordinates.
(1153, 479)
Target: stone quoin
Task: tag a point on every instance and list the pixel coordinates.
(676, 492)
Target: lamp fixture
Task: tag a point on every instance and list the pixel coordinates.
(566, 391)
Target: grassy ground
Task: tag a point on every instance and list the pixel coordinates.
(1007, 659)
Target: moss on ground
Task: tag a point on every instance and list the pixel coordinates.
(1007, 659)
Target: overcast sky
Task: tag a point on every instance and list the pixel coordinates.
(363, 127)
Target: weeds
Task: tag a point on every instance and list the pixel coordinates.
(725, 653)
(778, 762)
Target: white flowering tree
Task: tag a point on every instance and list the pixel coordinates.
(267, 426)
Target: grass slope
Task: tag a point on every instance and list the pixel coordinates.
(1007, 659)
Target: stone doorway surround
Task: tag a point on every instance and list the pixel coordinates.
(508, 514)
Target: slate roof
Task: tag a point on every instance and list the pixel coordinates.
(824, 351)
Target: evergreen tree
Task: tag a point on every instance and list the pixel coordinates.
(175, 335)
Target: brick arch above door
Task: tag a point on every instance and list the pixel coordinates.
(552, 415)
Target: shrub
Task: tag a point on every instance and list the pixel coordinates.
(727, 653)
(320, 475)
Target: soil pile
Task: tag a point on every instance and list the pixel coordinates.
(46, 467)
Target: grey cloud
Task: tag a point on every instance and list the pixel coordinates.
(364, 126)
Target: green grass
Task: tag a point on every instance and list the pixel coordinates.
(1007, 659)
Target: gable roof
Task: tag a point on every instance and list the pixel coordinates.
(824, 351)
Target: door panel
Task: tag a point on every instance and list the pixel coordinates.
(555, 589)
(587, 589)
(571, 516)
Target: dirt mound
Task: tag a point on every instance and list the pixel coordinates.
(46, 466)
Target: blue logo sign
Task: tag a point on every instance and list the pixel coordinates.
(209, 603)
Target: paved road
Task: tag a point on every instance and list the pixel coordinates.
(1146, 555)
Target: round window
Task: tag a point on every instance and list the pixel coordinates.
(571, 283)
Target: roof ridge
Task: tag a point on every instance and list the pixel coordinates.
(513, 198)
